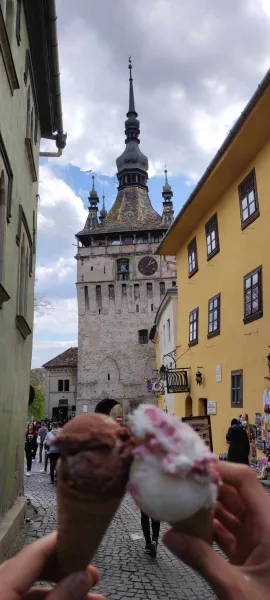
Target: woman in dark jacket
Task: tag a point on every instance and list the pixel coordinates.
(239, 443)
(30, 446)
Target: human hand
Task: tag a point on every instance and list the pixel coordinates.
(242, 531)
(38, 562)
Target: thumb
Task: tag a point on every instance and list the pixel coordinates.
(202, 558)
(73, 587)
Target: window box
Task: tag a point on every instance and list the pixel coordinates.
(4, 296)
(253, 300)
(192, 258)
(248, 200)
(193, 327)
(212, 237)
(6, 53)
(23, 326)
(213, 316)
(30, 156)
(237, 389)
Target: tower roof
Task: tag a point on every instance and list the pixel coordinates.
(132, 159)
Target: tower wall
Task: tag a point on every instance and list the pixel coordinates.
(112, 364)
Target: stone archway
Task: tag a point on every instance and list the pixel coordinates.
(105, 406)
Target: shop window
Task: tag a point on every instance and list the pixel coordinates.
(143, 336)
(212, 237)
(253, 299)
(237, 389)
(123, 269)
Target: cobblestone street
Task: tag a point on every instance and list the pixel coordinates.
(126, 572)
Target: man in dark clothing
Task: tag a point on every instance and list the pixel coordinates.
(30, 446)
(239, 444)
(151, 544)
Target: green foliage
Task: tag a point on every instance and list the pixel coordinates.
(37, 409)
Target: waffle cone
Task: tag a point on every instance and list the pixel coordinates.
(200, 525)
(82, 523)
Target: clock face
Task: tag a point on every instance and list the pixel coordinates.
(147, 265)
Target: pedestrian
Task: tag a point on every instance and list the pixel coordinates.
(42, 432)
(30, 446)
(239, 449)
(53, 452)
(150, 543)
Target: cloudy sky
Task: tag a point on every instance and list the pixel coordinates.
(195, 65)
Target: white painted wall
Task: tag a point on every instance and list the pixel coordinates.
(166, 324)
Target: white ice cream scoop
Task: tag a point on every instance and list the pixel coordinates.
(173, 475)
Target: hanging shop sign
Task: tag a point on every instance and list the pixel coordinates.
(177, 381)
(202, 425)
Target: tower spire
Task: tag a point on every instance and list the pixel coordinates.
(93, 208)
(132, 165)
(167, 194)
(131, 108)
(103, 212)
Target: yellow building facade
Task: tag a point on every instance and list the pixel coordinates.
(221, 239)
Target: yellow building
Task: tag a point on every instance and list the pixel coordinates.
(221, 239)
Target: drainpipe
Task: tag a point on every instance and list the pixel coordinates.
(61, 137)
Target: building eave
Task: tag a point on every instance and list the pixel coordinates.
(212, 183)
(41, 25)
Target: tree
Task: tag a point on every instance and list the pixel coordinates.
(37, 408)
(42, 305)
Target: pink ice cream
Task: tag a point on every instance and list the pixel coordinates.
(173, 474)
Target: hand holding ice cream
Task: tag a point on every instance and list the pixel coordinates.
(173, 476)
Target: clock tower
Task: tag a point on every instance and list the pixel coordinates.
(120, 284)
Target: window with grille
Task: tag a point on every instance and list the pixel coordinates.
(123, 269)
(237, 389)
(248, 198)
(212, 238)
(192, 258)
(143, 336)
(214, 316)
(253, 304)
(193, 327)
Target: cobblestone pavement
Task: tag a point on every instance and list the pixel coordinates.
(126, 572)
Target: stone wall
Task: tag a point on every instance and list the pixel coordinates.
(112, 364)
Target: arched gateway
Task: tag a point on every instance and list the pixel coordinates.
(105, 406)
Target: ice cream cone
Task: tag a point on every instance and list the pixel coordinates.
(82, 523)
(200, 525)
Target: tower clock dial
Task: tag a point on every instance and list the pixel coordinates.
(147, 265)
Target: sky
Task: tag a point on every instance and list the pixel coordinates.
(196, 63)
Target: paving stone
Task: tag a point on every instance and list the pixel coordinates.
(126, 572)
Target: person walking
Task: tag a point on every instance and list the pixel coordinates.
(239, 449)
(42, 432)
(30, 446)
(53, 452)
(150, 543)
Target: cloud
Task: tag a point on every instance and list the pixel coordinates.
(46, 350)
(195, 66)
(63, 318)
(61, 215)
